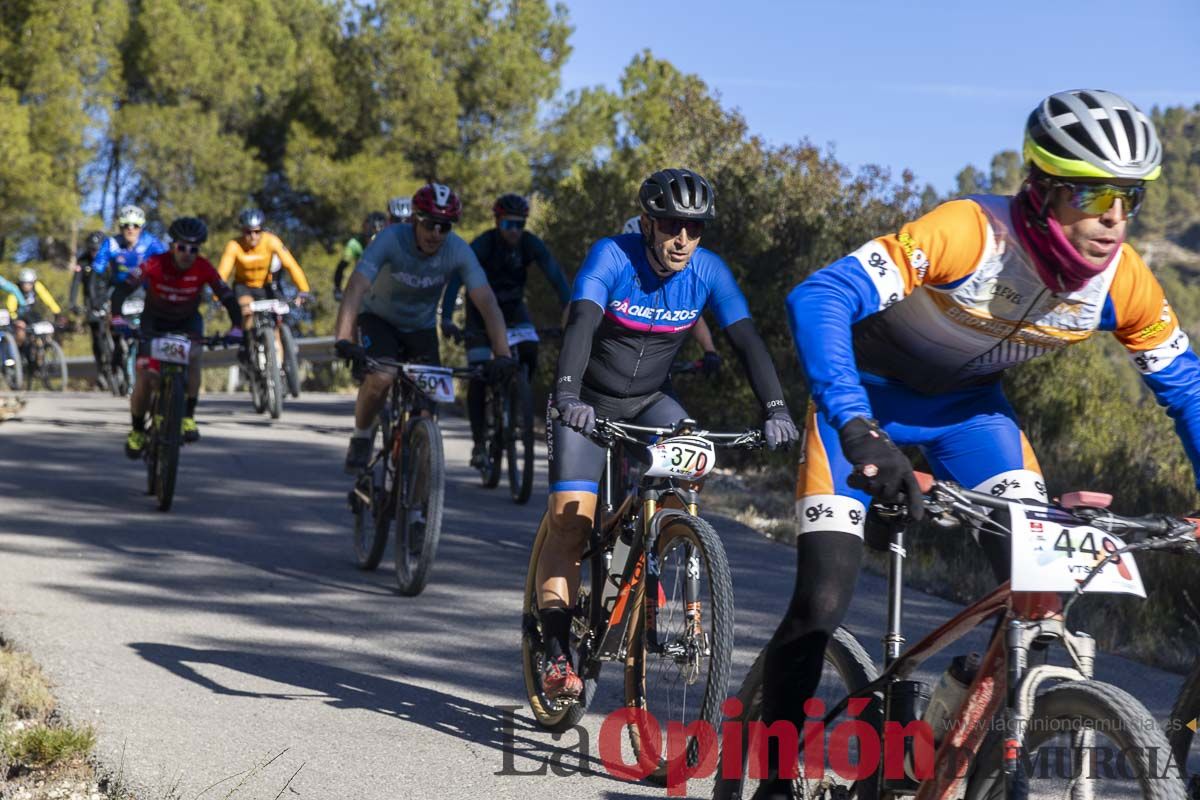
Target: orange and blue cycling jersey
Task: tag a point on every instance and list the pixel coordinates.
(914, 329)
(252, 266)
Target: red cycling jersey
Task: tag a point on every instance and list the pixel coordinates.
(174, 294)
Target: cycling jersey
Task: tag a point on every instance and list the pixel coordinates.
(406, 284)
(645, 318)
(27, 301)
(953, 299)
(173, 294)
(252, 266)
(507, 272)
(13, 291)
(115, 251)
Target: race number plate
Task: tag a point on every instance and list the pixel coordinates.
(688, 457)
(1053, 552)
(133, 306)
(522, 333)
(436, 382)
(43, 328)
(5, 319)
(262, 305)
(170, 349)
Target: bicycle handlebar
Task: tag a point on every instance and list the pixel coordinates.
(608, 431)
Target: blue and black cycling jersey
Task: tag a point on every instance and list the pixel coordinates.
(507, 270)
(123, 258)
(627, 323)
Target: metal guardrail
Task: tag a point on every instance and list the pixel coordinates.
(315, 350)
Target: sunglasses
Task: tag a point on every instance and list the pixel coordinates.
(181, 247)
(512, 224)
(254, 232)
(1098, 198)
(672, 227)
(127, 225)
(435, 225)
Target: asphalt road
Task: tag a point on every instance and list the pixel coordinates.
(230, 648)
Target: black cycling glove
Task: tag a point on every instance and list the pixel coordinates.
(576, 414)
(353, 353)
(779, 430)
(712, 364)
(500, 368)
(880, 468)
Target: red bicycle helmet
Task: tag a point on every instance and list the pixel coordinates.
(437, 201)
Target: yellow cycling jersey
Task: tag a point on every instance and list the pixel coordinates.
(41, 292)
(252, 266)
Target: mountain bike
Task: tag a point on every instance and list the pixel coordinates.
(655, 592)
(121, 357)
(405, 481)
(1181, 730)
(12, 372)
(1020, 727)
(508, 415)
(262, 357)
(45, 363)
(168, 403)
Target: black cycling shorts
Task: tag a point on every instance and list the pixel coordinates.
(263, 292)
(576, 462)
(381, 340)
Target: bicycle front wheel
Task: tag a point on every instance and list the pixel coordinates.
(272, 384)
(847, 669)
(682, 673)
(518, 438)
(54, 367)
(419, 505)
(1083, 736)
(10, 359)
(494, 439)
(169, 436)
(1181, 733)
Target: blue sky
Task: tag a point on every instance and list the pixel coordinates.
(931, 86)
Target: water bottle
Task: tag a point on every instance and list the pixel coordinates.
(949, 694)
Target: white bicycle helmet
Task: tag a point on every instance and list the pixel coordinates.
(132, 215)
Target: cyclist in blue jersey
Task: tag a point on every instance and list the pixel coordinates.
(393, 296)
(13, 290)
(121, 254)
(635, 299)
(505, 252)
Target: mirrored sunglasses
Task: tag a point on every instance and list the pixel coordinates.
(1098, 198)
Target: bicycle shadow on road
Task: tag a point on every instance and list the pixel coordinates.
(499, 728)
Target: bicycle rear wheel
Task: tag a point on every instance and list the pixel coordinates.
(847, 669)
(551, 714)
(518, 438)
(683, 675)
(291, 360)
(1124, 756)
(171, 407)
(419, 505)
(1181, 732)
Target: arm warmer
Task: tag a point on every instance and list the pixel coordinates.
(756, 361)
(584, 319)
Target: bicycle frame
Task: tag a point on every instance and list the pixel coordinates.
(1004, 683)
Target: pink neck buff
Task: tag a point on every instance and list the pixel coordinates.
(1059, 264)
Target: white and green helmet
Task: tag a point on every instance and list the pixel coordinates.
(1091, 133)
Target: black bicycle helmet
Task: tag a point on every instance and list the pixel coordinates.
(678, 194)
(511, 205)
(375, 222)
(251, 219)
(95, 239)
(188, 229)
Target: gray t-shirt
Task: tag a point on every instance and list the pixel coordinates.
(405, 284)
